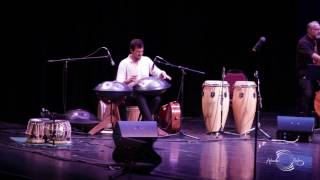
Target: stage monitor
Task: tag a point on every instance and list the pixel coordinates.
(293, 127)
(134, 145)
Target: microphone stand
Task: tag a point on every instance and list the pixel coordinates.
(181, 88)
(221, 100)
(221, 104)
(259, 107)
(257, 124)
(65, 75)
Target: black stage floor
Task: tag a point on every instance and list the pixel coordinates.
(182, 157)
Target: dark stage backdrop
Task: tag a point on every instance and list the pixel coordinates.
(200, 35)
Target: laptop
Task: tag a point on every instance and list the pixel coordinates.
(138, 128)
(297, 124)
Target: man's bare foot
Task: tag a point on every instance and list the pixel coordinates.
(162, 132)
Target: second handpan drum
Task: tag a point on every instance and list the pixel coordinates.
(212, 104)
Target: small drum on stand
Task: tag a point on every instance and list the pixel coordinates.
(211, 104)
(103, 114)
(58, 131)
(133, 113)
(35, 131)
(244, 103)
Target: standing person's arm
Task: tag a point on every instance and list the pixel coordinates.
(316, 58)
(306, 49)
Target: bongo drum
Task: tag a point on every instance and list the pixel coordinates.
(244, 103)
(35, 131)
(58, 131)
(101, 109)
(133, 113)
(211, 104)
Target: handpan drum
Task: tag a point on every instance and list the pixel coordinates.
(112, 90)
(151, 86)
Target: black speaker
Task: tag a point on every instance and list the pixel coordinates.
(134, 144)
(293, 128)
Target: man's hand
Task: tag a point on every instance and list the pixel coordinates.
(131, 79)
(164, 75)
(316, 58)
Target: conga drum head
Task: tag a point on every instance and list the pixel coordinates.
(214, 83)
(245, 84)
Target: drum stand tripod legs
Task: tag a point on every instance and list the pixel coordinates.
(261, 130)
(182, 133)
(222, 96)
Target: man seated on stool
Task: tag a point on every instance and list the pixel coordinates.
(130, 71)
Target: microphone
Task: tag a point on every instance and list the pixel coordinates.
(110, 57)
(223, 72)
(154, 60)
(258, 45)
(256, 74)
(158, 57)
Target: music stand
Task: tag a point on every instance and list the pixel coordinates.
(181, 89)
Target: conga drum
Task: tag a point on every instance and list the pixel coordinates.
(212, 104)
(244, 103)
(58, 131)
(133, 113)
(35, 131)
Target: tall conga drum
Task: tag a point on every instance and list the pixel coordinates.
(213, 105)
(244, 103)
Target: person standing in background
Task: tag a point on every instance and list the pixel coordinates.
(307, 52)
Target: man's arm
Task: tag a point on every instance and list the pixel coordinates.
(316, 58)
